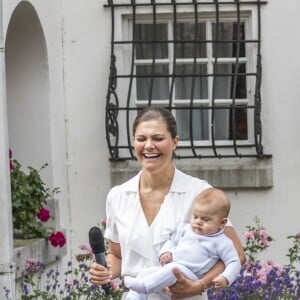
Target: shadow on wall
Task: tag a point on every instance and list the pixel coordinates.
(27, 78)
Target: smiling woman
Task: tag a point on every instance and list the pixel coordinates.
(143, 212)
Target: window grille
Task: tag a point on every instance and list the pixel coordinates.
(193, 58)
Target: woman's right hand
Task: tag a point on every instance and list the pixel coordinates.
(100, 275)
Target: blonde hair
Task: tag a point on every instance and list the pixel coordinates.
(217, 199)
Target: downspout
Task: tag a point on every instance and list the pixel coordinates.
(7, 266)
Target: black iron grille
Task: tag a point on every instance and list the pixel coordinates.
(201, 60)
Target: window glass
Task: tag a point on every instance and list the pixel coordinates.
(229, 35)
(231, 123)
(160, 89)
(149, 33)
(199, 121)
(187, 32)
(224, 81)
(183, 85)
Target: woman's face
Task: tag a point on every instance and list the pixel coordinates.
(154, 145)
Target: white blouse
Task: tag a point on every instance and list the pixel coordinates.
(126, 223)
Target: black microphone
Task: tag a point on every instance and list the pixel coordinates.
(98, 247)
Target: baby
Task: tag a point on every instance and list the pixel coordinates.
(194, 249)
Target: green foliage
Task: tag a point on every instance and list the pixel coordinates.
(294, 251)
(29, 194)
(257, 240)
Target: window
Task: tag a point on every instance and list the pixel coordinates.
(198, 60)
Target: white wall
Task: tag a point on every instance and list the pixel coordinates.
(278, 208)
(49, 64)
(86, 64)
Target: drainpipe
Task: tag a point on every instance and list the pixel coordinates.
(7, 266)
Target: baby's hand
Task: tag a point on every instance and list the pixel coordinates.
(220, 282)
(165, 258)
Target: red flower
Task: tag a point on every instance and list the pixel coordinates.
(57, 239)
(43, 214)
(11, 165)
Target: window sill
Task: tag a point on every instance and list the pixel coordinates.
(39, 249)
(222, 173)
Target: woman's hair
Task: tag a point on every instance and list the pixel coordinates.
(154, 113)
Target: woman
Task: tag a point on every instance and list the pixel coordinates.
(144, 211)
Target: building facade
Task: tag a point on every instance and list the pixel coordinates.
(73, 74)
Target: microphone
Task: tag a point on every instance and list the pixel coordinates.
(98, 247)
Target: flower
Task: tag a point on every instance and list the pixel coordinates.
(32, 264)
(103, 222)
(115, 286)
(43, 214)
(11, 165)
(87, 253)
(260, 279)
(57, 239)
(257, 240)
(37, 283)
(249, 235)
(30, 195)
(86, 248)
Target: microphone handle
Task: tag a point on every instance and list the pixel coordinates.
(100, 259)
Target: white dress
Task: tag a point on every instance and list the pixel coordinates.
(126, 223)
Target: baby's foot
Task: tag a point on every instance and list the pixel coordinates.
(134, 284)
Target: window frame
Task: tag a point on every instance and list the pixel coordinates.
(124, 12)
(208, 20)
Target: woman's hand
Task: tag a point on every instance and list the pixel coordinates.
(100, 275)
(184, 287)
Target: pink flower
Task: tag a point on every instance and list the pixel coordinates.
(298, 235)
(57, 239)
(86, 249)
(43, 214)
(249, 235)
(264, 238)
(32, 264)
(263, 234)
(70, 282)
(262, 275)
(274, 264)
(103, 221)
(115, 286)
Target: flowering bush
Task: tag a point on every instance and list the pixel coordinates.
(49, 284)
(29, 196)
(263, 280)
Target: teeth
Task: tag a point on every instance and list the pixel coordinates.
(151, 155)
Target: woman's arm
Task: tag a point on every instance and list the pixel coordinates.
(230, 232)
(184, 287)
(99, 274)
(187, 288)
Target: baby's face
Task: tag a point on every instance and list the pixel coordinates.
(204, 221)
